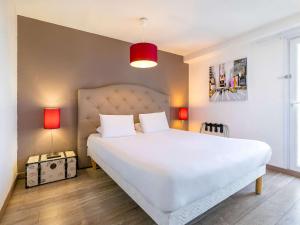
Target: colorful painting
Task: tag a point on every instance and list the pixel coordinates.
(228, 81)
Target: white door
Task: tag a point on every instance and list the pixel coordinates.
(295, 104)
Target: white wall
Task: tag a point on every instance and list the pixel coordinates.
(8, 97)
(261, 117)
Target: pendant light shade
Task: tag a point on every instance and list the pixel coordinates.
(143, 55)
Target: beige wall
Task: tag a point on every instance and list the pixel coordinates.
(8, 97)
(54, 61)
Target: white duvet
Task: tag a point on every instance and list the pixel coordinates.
(174, 168)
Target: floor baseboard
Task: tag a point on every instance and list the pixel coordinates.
(12, 188)
(21, 175)
(285, 171)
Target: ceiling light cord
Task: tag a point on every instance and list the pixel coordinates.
(143, 22)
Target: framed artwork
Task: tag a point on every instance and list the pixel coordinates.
(228, 81)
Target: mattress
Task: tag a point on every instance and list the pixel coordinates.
(173, 168)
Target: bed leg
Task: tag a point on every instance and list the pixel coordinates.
(259, 185)
(94, 164)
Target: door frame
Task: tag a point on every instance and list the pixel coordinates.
(294, 104)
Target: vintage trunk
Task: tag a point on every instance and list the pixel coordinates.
(42, 169)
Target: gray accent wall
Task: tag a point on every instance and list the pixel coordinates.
(55, 61)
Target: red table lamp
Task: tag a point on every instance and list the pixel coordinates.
(183, 113)
(51, 120)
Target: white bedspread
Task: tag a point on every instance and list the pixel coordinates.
(174, 168)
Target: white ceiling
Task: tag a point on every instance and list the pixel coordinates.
(177, 26)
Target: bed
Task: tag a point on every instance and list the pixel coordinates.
(173, 182)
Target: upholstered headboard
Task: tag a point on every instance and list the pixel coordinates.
(113, 99)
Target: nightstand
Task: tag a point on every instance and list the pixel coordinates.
(42, 169)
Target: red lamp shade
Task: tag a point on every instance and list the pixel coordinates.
(143, 55)
(183, 113)
(51, 118)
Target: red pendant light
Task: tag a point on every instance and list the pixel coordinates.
(143, 54)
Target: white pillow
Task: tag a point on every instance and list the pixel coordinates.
(99, 130)
(138, 127)
(116, 125)
(153, 122)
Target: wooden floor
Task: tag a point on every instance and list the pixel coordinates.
(93, 198)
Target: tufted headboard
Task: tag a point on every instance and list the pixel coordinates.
(113, 99)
